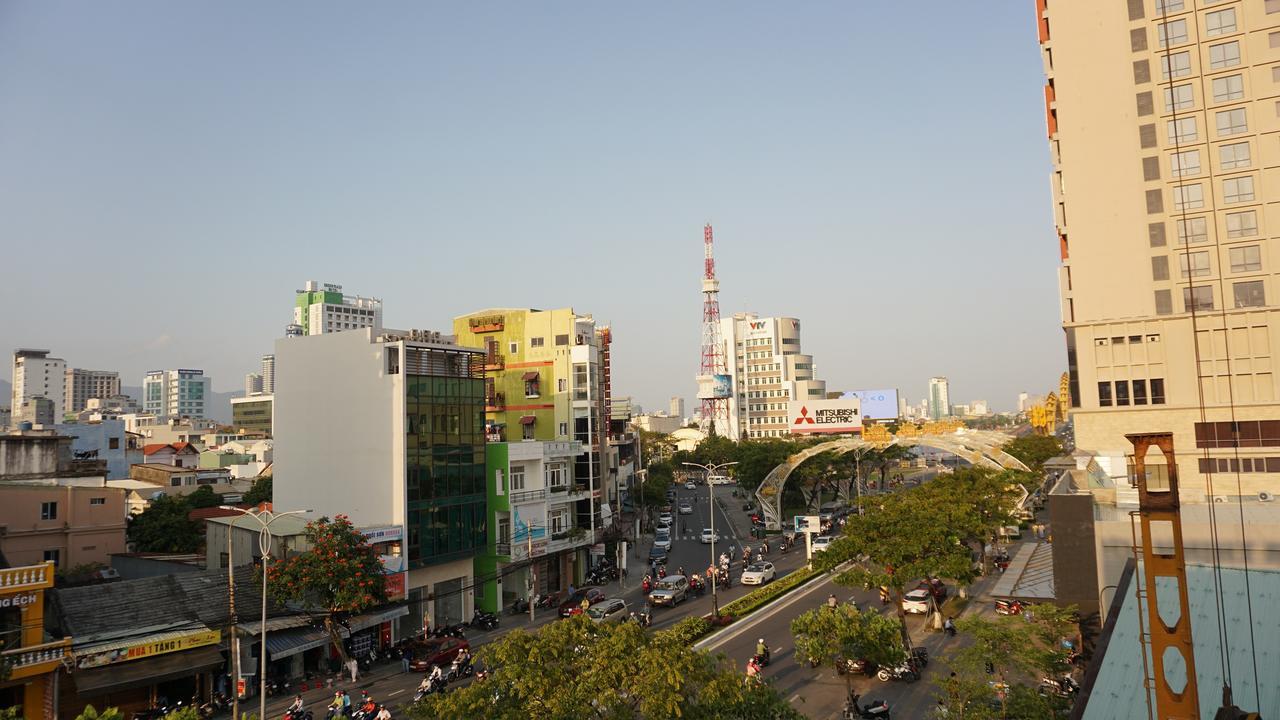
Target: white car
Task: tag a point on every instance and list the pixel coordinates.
(664, 518)
(708, 536)
(916, 602)
(662, 540)
(757, 573)
(686, 508)
(690, 486)
(822, 542)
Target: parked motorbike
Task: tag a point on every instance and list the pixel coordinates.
(518, 606)
(457, 631)
(484, 621)
(873, 709)
(1009, 607)
(905, 672)
(858, 666)
(1065, 686)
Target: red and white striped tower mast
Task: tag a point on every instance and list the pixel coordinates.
(713, 377)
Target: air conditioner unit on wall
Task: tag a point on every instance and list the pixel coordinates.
(1219, 498)
(1265, 496)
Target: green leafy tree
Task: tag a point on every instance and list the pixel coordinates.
(164, 527)
(976, 502)
(12, 713)
(91, 714)
(339, 574)
(260, 492)
(1034, 450)
(614, 671)
(896, 542)
(997, 674)
(831, 637)
(204, 497)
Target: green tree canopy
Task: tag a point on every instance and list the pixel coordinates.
(91, 714)
(204, 497)
(829, 636)
(260, 492)
(164, 527)
(1034, 450)
(613, 671)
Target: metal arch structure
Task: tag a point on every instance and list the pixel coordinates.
(979, 447)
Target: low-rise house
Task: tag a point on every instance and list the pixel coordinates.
(178, 454)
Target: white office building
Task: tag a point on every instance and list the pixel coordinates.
(175, 393)
(323, 308)
(36, 375)
(389, 431)
(767, 371)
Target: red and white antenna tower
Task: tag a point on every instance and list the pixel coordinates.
(713, 377)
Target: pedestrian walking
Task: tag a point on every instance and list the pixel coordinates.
(949, 627)
(354, 667)
(406, 658)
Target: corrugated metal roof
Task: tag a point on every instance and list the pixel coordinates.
(1117, 692)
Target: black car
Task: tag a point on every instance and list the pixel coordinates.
(657, 555)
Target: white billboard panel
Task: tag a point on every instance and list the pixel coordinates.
(808, 417)
(876, 404)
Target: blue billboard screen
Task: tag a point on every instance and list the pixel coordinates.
(877, 404)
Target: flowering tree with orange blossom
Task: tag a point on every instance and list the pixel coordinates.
(340, 574)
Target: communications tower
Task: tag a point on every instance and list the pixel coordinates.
(713, 377)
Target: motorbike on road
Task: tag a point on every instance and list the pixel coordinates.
(873, 709)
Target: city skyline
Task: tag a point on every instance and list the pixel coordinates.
(461, 174)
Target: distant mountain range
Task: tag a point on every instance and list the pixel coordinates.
(218, 404)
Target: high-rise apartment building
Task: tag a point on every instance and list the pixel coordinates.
(268, 374)
(389, 431)
(1163, 125)
(677, 407)
(175, 393)
(35, 374)
(252, 384)
(767, 371)
(939, 398)
(323, 308)
(82, 385)
(1163, 122)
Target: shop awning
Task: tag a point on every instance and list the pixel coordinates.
(530, 376)
(527, 419)
(141, 673)
(367, 620)
(275, 624)
(291, 642)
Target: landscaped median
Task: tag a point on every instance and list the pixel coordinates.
(691, 629)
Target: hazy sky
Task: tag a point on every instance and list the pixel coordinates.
(171, 172)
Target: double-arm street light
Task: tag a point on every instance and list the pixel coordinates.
(264, 518)
(711, 470)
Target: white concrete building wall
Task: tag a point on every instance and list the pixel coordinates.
(339, 428)
(35, 374)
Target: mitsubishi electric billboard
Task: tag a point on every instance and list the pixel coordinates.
(876, 404)
(812, 417)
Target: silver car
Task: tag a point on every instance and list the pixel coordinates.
(669, 591)
(611, 610)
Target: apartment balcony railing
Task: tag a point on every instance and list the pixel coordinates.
(624, 438)
(27, 577)
(502, 548)
(495, 402)
(527, 495)
(494, 361)
(35, 660)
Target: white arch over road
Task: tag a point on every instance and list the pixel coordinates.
(982, 448)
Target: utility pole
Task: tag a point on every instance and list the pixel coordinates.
(711, 498)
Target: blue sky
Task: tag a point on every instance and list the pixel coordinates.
(171, 172)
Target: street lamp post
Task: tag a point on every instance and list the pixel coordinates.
(264, 518)
(710, 469)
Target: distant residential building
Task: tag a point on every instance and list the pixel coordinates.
(39, 411)
(288, 535)
(979, 407)
(903, 409)
(324, 308)
(252, 384)
(156, 430)
(6, 417)
(176, 393)
(1024, 402)
(82, 385)
(939, 398)
(184, 479)
(389, 431)
(104, 440)
(664, 424)
(766, 371)
(268, 374)
(253, 413)
(531, 525)
(35, 374)
(677, 407)
(106, 408)
(179, 454)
